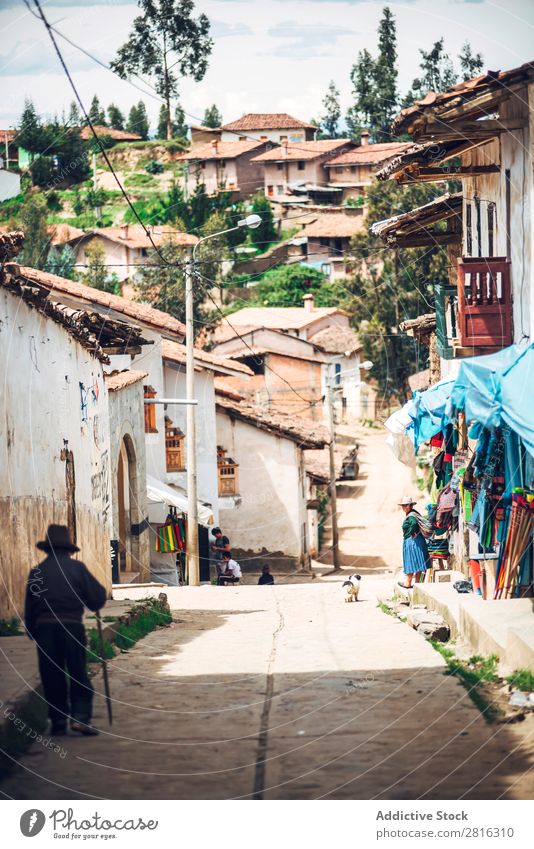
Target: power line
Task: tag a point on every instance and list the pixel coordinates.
(89, 123)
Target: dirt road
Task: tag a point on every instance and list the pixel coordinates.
(287, 692)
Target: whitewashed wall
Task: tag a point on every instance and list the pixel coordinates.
(270, 513)
(41, 414)
(206, 431)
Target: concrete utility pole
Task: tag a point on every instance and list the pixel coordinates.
(98, 209)
(193, 563)
(332, 486)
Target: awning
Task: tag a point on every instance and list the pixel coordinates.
(428, 411)
(477, 388)
(517, 397)
(161, 493)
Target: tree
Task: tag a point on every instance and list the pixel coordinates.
(286, 286)
(471, 63)
(166, 42)
(30, 130)
(138, 120)
(374, 85)
(212, 117)
(97, 274)
(266, 232)
(437, 72)
(390, 286)
(36, 238)
(332, 113)
(96, 114)
(61, 262)
(161, 283)
(115, 117)
(74, 118)
(179, 126)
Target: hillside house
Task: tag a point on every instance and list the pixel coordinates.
(351, 172)
(263, 452)
(299, 168)
(301, 322)
(276, 127)
(108, 132)
(127, 245)
(278, 361)
(201, 135)
(12, 154)
(326, 241)
(484, 124)
(225, 166)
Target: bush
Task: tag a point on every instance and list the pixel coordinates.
(42, 170)
(154, 167)
(140, 180)
(53, 202)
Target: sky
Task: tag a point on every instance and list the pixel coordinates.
(269, 55)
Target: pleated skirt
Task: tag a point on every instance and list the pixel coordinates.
(415, 555)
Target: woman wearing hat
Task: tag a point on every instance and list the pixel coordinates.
(415, 557)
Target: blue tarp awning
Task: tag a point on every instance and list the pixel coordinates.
(517, 397)
(478, 386)
(428, 410)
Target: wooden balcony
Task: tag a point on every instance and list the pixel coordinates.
(484, 303)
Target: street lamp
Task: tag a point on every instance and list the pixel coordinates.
(193, 564)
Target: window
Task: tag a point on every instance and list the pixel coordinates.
(469, 229)
(242, 138)
(280, 190)
(143, 251)
(353, 169)
(279, 166)
(227, 473)
(324, 241)
(150, 411)
(301, 165)
(270, 190)
(174, 447)
(337, 374)
(283, 138)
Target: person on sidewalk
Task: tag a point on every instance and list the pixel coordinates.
(58, 591)
(415, 557)
(265, 577)
(231, 573)
(221, 544)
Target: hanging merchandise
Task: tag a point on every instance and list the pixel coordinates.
(516, 543)
(166, 542)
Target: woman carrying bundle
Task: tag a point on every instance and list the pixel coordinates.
(415, 557)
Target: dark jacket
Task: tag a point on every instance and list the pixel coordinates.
(60, 588)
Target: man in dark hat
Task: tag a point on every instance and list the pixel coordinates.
(58, 591)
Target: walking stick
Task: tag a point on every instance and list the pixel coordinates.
(104, 666)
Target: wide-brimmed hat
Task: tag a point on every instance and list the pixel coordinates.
(57, 537)
(406, 500)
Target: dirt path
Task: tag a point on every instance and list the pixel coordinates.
(282, 693)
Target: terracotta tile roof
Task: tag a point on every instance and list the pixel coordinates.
(177, 353)
(337, 340)
(117, 135)
(261, 350)
(122, 379)
(474, 98)
(421, 327)
(335, 226)
(267, 121)
(368, 154)
(63, 233)
(221, 150)
(83, 296)
(224, 388)
(10, 134)
(134, 236)
(425, 154)
(279, 318)
(418, 221)
(305, 150)
(306, 433)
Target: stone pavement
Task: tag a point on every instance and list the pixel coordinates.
(283, 692)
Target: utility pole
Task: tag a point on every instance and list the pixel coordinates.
(332, 486)
(98, 209)
(193, 565)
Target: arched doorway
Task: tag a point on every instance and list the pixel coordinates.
(127, 509)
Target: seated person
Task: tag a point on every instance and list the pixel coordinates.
(231, 570)
(265, 577)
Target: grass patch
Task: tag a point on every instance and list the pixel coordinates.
(523, 679)
(385, 609)
(140, 180)
(93, 648)
(473, 674)
(147, 620)
(10, 628)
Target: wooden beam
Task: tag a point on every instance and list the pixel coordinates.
(425, 239)
(468, 128)
(123, 349)
(430, 175)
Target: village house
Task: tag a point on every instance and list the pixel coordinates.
(488, 302)
(201, 135)
(317, 466)
(126, 246)
(264, 508)
(280, 362)
(109, 133)
(62, 432)
(301, 322)
(224, 166)
(277, 127)
(12, 154)
(351, 171)
(342, 349)
(325, 243)
(298, 168)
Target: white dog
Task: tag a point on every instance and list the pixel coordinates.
(353, 587)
